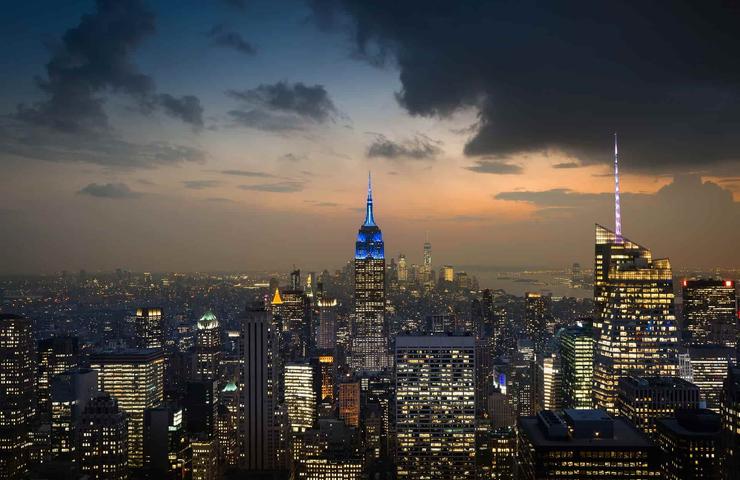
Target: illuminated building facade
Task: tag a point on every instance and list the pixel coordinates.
(369, 350)
(403, 269)
(205, 458)
(426, 267)
(327, 335)
(257, 411)
(690, 445)
(550, 382)
(706, 367)
(710, 311)
(103, 437)
(577, 355)
(730, 411)
(635, 326)
(56, 355)
(17, 382)
(301, 395)
(349, 403)
(537, 319)
(135, 378)
(325, 366)
(435, 407)
(643, 399)
(448, 273)
(207, 347)
(583, 444)
(149, 328)
(70, 393)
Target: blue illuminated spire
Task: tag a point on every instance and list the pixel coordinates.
(369, 220)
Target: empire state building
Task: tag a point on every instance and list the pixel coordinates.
(369, 340)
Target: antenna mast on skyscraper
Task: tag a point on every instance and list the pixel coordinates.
(617, 210)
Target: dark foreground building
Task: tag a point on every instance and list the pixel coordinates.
(583, 444)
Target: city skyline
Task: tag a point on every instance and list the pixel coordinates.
(201, 139)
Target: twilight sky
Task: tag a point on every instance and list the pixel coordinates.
(237, 134)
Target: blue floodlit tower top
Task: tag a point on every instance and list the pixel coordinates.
(369, 239)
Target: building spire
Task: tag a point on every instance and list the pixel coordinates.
(369, 220)
(617, 210)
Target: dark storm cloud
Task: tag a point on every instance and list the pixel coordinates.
(95, 58)
(277, 187)
(420, 147)
(187, 108)
(108, 190)
(566, 165)
(221, 37)
(565, 75)
(496, 167)
(247, 173)
(200, 184)
(556, 197)
(283, 106)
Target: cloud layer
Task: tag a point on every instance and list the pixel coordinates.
(564, 76)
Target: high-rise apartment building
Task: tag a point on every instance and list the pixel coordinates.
(17, 385)
(149, 328)
(635, 326)
(583, 444)
(207, 347)
(577, 356)
(643, 399)
(550, 382)
(205, 458)
(259, 434)
(710, 311)
(369, 350)
(135, 378)
(103, 439)
(435, 407)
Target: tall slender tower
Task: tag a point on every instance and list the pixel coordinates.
(427, 267)
(17, 380)
(259, 433)
(635, 324)
(370, 342)
(617, 209)
(208, 347)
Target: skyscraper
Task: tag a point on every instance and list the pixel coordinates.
(730, 411)
(136, 379)
(207, 347)
(635, 324)
(56, 355)
(706, 366)
(257, 412)
(643, 399)
(537, 319)
(370, 341)
(327, 335)
(149, 328)
(302, 390)
(427, 262)
(103, 434)
(577, 354)
(690, 445)
(435, 407)
(710, 311)
(403, 269)
(17, 369)
(70, 393)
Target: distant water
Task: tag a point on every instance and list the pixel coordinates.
(519, 282)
